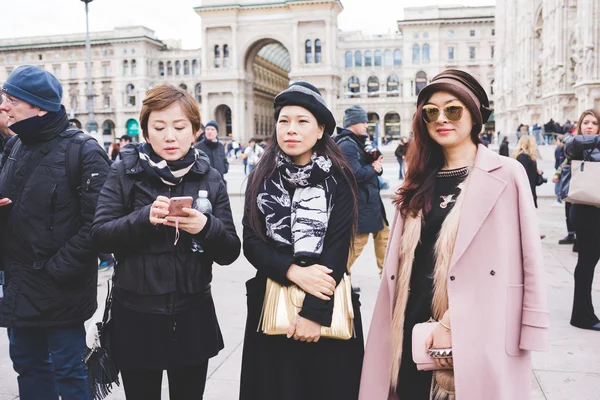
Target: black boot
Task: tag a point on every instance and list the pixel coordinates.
(575, 247)
(569, 239)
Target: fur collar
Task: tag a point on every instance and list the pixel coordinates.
(444, 248)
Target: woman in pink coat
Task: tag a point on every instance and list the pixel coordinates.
(464, 249)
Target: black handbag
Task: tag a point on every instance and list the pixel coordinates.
(102, 370)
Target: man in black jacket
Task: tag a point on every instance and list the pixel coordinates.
(213, 148)
(371, 213)
(50, 265)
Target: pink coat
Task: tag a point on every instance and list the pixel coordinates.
(496, 291)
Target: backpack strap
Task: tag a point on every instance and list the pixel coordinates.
(74, 158)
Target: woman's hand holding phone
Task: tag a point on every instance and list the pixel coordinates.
(193, 223)
(159, 210)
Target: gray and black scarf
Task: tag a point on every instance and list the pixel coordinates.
(297, 202)
(169, 172)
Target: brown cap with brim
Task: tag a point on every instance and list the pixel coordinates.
(466, 88)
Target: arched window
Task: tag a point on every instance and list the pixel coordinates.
(397, 57)
(425, 53)
(373, 86)
(225, 56)
(348, 59)
(378, 58)
(161, 68)
(130, 95)
(217, 56)
(358, 59)
(393, 86)
(354, 86)
(195, 67)
(125, 68)
(368, 59)
(198, 92)
(388, 60)
(186, 67)
(169, 68)
(392, 125)
(492, 87)
(133, 67)
(308, 52)
(183, 86)
(177, 67)
(416, 56)
(318, 51)
(420, 82)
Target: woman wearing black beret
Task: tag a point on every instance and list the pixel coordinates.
(298, 225)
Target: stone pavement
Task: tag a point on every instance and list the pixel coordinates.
(571, 370)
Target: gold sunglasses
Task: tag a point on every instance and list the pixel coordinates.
(452, 111)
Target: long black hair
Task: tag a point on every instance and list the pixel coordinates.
(268, 164)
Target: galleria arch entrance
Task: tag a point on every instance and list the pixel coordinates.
(252, 50)
(268, 65)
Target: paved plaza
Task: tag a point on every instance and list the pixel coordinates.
(571, 370)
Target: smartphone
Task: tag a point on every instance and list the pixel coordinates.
(177, 204)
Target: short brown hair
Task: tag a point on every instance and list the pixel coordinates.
(591, 112)
(164, 96)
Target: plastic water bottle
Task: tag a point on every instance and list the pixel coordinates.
(202, 204)
(1, 284)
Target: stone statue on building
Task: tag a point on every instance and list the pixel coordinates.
(589, 63)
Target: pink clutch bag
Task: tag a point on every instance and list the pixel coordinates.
(422, 357)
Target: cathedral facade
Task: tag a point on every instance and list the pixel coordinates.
(546, 63)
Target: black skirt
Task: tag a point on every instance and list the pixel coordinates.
(161, 341)
(278, 368)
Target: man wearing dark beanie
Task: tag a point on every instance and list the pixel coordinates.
(214, 149)
(51, 266)
(371, 213)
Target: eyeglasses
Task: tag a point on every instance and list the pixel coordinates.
(452, 111)
(6, 99)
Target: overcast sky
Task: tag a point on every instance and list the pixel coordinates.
(174, 19)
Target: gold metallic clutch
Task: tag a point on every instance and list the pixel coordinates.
(283, 303)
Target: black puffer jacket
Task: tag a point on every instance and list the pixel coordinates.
(578, 147)
(216, 154)
(152, 273)
(50, 265)
(371, 212)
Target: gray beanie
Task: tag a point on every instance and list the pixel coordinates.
(354, 115)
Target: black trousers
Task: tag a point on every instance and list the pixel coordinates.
(586, 221)
(570, 227)
(184, 384)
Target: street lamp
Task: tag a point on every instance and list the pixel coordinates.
(91, 126)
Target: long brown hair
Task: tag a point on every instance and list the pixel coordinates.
(268, 164)
(424, 158)
(592, 112)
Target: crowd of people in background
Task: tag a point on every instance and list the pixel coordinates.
(159, 211)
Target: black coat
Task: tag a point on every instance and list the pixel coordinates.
(530, 166)
(149, 264)
(371, 212)
(50, 265)
(216, 154)
(277, 368)
(162, 289)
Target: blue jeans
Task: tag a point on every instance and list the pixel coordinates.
(400, 161)
(49, 361)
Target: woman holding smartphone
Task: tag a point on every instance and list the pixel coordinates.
(163, 313)
(298, 222)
